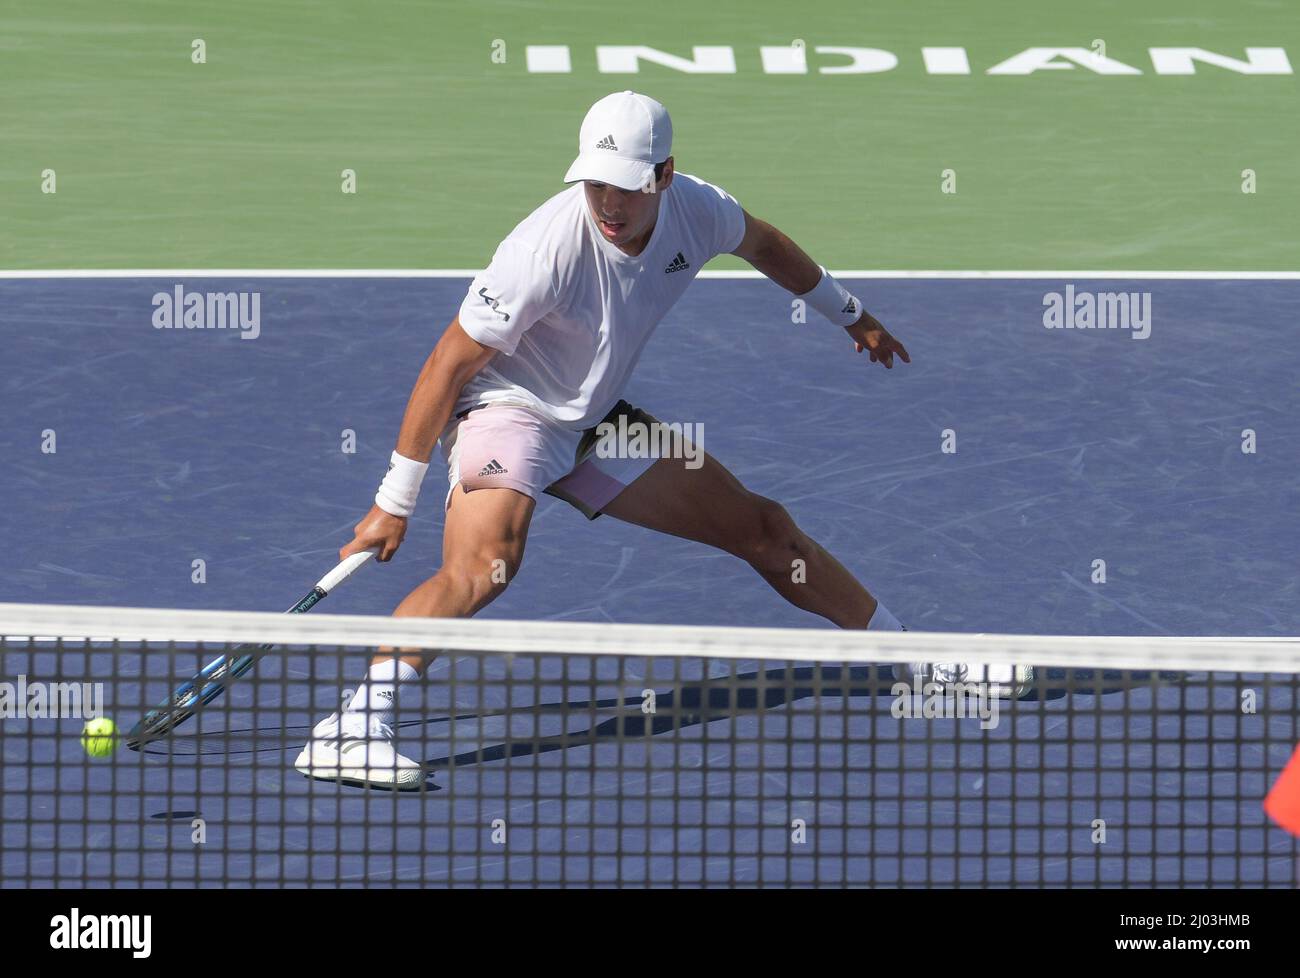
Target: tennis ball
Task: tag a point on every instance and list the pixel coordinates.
(99, 737)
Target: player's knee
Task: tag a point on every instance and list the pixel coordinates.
(773, 541)
(486, 573)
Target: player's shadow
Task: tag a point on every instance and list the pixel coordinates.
(692, 704)
(680, 707)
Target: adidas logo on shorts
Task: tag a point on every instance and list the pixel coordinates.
(493, 468)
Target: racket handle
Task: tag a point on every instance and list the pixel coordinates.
(346, 568)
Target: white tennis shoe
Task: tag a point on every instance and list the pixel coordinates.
(357, 749)
(1002, 681)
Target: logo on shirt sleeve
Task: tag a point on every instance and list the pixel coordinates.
(494, 303)
(678, 264)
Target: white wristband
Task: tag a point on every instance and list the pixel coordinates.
(834, 301)
(398, 492)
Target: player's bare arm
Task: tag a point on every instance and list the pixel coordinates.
(454, 360)
(774, 254)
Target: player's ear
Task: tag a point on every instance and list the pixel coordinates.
(667, 177)
(665, 171)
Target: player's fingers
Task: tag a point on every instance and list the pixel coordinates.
(902, 352)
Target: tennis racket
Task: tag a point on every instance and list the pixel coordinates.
(194, 694)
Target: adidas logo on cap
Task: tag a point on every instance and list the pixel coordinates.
(607, 143)
(678, 264)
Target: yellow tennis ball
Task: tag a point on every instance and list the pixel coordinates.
(99, 737)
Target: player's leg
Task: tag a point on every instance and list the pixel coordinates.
(709, 505)
(500, 460)
(482, 548)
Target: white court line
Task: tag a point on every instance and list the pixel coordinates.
(872, 273)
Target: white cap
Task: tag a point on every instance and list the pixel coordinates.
(623, 136)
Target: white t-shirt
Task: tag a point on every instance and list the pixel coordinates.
(570, 314)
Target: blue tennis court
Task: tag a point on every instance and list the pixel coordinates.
(256, 457)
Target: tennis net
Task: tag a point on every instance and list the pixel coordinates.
(640, 755)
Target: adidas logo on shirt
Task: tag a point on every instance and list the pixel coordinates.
(493, 468)
(607, 143)
(678, 264)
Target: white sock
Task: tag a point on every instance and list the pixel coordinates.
(883, 621)
(377, 696)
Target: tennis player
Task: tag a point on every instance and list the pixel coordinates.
(537, 358)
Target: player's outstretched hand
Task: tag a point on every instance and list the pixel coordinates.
(378, 529)
(869, 335)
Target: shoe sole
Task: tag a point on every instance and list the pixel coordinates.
(330, 774)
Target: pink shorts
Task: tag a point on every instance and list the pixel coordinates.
(512, 447)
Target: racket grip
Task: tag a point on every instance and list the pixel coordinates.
(346, 568)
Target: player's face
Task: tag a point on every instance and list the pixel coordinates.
(625, 217)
